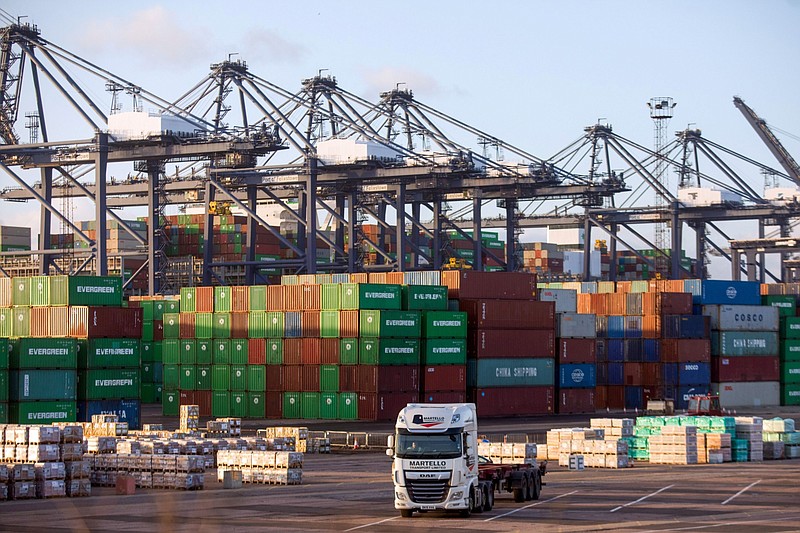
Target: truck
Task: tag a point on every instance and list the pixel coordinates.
(436, 465)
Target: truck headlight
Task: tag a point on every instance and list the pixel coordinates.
(457, 495)
(400, 496)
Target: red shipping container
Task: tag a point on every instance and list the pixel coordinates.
(615, 397)
(239, 325)
(633, 373)
(274, 404)
(158, 330)
(373, 378)
(576, 401)
(292, 378)
(309, 351)
(275, 378)
(204, 299)
(257, 351)
(651, 374)
(676, 303)
(509, 314)
(384, 406)
(444, 378)
(745, 368)
(187, 325)
(310, 324)
(685, 350)
(310, 378)
(105, 322)
(186, 397)
(513, 401)
(577, 350)
(329, 351)
(240, 299)
(601, 397)
(473, 284)
(348, 378)
(486, 343)
(292, 351)
(443, 397)
(202, 398)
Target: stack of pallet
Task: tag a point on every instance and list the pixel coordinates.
(509, 452)
(676, 445)
(750, 438)
(281, 468)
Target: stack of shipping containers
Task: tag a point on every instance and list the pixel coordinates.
(3, 380)
(511, 366)
(789, 349)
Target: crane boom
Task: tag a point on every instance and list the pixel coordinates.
(760, 125)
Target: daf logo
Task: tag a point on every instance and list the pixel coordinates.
(731, 292)
(577, 375)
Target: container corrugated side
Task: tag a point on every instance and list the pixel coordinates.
(425, 297)
(128, 411)
(742, 317)
(46, 412)
(57, 353)
(746, 368)
(29, 385)
(109, 353)
(510, 372)
(107, 384)
(94, 291)
(723, 292)
(509, 314)
(566, 300)
(577, 375)
(513, 401)
(732, 343)
(574, 325)
(753, 394)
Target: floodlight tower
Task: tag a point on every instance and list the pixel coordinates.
(661, 113)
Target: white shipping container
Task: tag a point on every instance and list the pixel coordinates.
(344, 151)
(701, 196)
(573, 263)
(742, 317)
(576, 326)
(751, 394)
(566, 300)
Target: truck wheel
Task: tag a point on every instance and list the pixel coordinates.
(521, 494)
(480, 490)
(488, 498)
(406, 513)
(466, 513)
(537, 486)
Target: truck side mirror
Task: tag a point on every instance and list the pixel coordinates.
(469, 441)
(390, 442)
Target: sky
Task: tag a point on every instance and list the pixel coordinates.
(534, 73)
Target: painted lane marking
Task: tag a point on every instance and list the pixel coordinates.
(615, 509)
(751, 485)
(529, 506)
(726, 524)
(372, 524)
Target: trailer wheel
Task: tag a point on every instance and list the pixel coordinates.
(521, 494)
(537, 485)
(406, 513)
(488, 498)
(531, 483)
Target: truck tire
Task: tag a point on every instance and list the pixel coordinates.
(466, 513)
(488, 498)
(537, 485)
(529, 493)
(406, 513)
(521, 494)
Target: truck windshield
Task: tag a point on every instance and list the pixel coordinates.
(441, 445)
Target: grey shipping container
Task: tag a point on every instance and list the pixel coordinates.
(750, 394)
(576, 326)
(566, 299)
(742, 317)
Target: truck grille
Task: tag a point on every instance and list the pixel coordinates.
(426, 490)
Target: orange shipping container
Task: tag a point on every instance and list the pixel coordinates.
(651, 326)
(348, 323)
(585, 303)
(329, 351)
(275, 298)
(5, 292)
(187, 329)
(240, 299)
(616, 303)
(310, 324)
(377, 277)
(310, 353)
(395, 278)
(204, 299)
(40, 321)
(239, 325)
(292, 297)
(312, 297)
(292, 351)
(359, 277)
(59, 321)
(78, 321)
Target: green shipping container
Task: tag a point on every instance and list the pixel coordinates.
(29, 385)
(148, 353)
(44, 353)
(444, 324)
(171, 351)
(239, 378)
(159, 309)
(6, 322)
(329, 405)
(348, 406)
(109, 353)
(329, 378)
(4, 348)
(148, 373)
(329, 296)
(49, 412)
(109, 384)
(188, 352)
(20, 321)
(309, 405)
(291, 405)
(203, 351)
(147, 310)
(444, 352)
(258, 298)
(425, 297)
(3, 413)
(786, 304)
(3, 385)
(274, 351)
(389, 351)
(405, 324)
(256, 405)
(257, 324)
(510, 372)
(188, 300)
(188, 380)
(348, 296)
(348, 351)
(222, 299)
(380, 296)
(220, 377)
(222, 326)
(256, 378)
(172, 325)
(329, 324)
(790, 373)
(21, 291)
(203, 377)
(152, 393)
(733, 343)
(790, 350)
(172, 377)
(239, 405)
(238, 351)
(790, 394)
(87, 290)
(204, 325)
(790, 327)
(222, 352)
(172, 306)
(158, 352)
(274, 326)
(220, 404)
(148, 331)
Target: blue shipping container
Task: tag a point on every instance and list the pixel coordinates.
(728, 292)
(633, 349)
(615, 350)
(292, 324)
(694, 373)
(634, 397)
(577, 376)
(686, 326)
(616, 327)
(651, 351)
(616, 374)
(127, 410)
(633, 327)
(601, 326)
(683, 392)
(602, 373)
(669, 373)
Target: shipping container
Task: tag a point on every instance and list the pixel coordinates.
(634, 397)
(328, 378)
(256, 378)
(329, 351)
(238, 378)
(376, 378)
(476, 285)
(633, 350)
(292, 324)
(742, 317)
(375, 296)
(389, 351)
(348, 378)
(128, 411)
(686, 326)
(733, 343)
(790, 373)
(577, 376)
(46, 412)
(309, 405)
(790, 350)
(239, 406)
(274, 353)
(43, 353)
(256, 405)
(615, 350)
(685, 350)
(577, 350)
(29, 385)
(506, 343)
(487, 373)
(329, 405)
(443, 397)
(109, 384)
(575, 401)
(220, 403)
(722, 292)
(109, 353)
(694, 373)
(310, 351)
(509, 314)
(743, 368)
(752, 394)
(275, 379)
(786, 304)
(114, 322)
(75, 290)
(329, 324)
(790, 394)
(615, 327)
(444, 352)
(424, 297)
(170, 403)
(573, 325)
(566, 300)
(203, 378)
(444, 378)
(347, 407)
(204, 325)
(204, 350)
(513, 401)
(790, 327)
(375, 323)
(172, 377)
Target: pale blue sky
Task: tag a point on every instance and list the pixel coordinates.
(533, 73)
